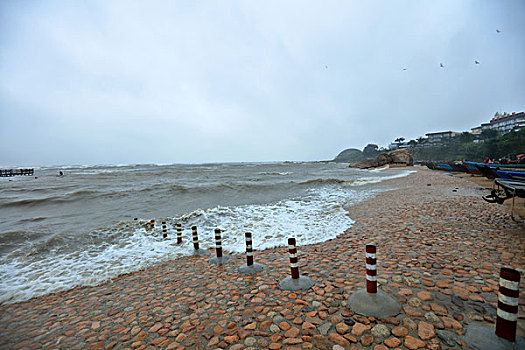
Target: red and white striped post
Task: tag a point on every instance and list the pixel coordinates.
(195, 237)
(371, 270)
(249, 249)
(296, 281)
(164, 230)
(250, 267)
(196, 249)
(219, 259)
(371, 301)
(292, 251)
(508, 299)
(218, 243)
(179, 233)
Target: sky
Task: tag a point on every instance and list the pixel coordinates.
(132, 82)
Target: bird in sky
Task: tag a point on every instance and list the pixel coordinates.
(404, 69)
(441, 65)
(498, 31)
(476, 62)
(326, 67)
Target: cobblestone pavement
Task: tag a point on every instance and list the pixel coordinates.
(439, 250)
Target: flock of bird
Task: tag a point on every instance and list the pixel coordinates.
(441, 64)
(475, 61)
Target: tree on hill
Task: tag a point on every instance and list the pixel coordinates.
(399, 139)
(349, 155)
(466, 137)
(488, 134)
(370, 150)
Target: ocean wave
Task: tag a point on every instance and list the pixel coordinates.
(128, 246)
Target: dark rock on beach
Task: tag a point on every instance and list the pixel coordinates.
(398, 157)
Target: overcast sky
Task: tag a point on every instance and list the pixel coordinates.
(114, 82)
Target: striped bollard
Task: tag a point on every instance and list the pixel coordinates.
(371, 301)
(196, 249)
(481, 336)
(219, 259)
(179, 233)
(152, 224)
(250, 266)
(508, 299)
(296, 281)
(164, 230)
(371, 270)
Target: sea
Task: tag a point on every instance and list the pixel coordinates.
(89, 225)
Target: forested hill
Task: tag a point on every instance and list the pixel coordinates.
(461, 148)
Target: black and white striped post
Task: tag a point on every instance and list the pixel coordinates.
(296, 281)
(508, 299)
(179, 233)
(371, 301)
(196, 249)
(250, 266)
(219, 259)
(164, 230)
(371, 270)
(480, 336)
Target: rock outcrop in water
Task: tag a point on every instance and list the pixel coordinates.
(399, 156)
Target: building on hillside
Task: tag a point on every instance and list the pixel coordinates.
(476, 130)
(508, 122)
(398, 145)
(439, 138)
(485, 126)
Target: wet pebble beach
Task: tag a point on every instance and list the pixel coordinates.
(439, 251)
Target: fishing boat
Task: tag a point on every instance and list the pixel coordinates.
(511, 175)
(488, 172)
(471, 167)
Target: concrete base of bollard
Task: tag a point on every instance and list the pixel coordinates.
(482, 337)
(199, 252)
(219, 261)
(255, 268)
(302, 283)
(380, 304)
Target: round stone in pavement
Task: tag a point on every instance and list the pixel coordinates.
(255, 268)
(481, 337)
(301, 283)
(219, 261)
(380, 304)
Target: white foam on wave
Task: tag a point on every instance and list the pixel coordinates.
(372, 180)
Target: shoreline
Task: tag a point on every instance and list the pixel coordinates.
(188, 303)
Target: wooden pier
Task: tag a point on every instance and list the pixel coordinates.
(16, 172)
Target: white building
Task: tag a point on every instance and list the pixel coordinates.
(508, 122)
(440, 137)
